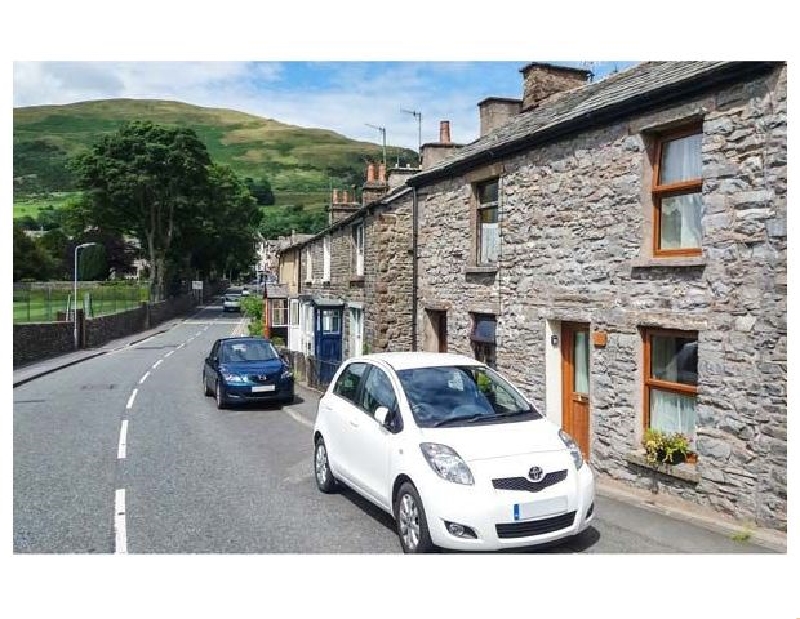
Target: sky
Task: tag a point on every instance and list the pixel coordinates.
(343, 96)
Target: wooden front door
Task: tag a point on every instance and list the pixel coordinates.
(575, 383)
(437, 334)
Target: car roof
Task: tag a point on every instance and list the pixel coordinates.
(223, 340)
(417, 360)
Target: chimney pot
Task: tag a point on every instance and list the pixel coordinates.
(370, 172)
(444, 132)
(382, 172)
(344, 196)
(334, 197)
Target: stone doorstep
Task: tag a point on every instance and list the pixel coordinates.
(699, 515)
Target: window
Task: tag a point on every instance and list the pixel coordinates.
(488, 234)
(277, 312)
(330, 321)
(247, 350)
(377, 391)
(358, 249)
(295, 312)
(677, 194)
(483, 338)
(309, 272)
(347, 383)
(356, 331)
(326, 259)
(670, 393)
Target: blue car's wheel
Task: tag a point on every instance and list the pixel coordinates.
(220, 396)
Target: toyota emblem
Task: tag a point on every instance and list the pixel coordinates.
(262, 377)
(536, 473)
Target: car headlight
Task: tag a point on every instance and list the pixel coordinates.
(574, 450)
(447, 463)
(234, 378)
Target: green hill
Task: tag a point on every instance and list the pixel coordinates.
(299, 162)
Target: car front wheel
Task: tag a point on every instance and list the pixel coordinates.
(322, 470)
(220, 397)
(412, 526)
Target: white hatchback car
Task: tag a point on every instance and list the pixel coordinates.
(455, 453)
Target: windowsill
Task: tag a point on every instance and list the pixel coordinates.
(357, 280)
(668, 261)
(684, 471)
(481, 270)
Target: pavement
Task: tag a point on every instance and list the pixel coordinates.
(117, 450)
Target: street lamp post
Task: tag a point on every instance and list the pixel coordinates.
(75, 289)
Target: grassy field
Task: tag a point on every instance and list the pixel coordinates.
(32, 205)
(43, 305)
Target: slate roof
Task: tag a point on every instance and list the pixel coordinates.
(641, 84)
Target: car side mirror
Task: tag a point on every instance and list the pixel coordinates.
(381, 415)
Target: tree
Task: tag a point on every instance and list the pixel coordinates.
(31, 261)
(261, 191)
(144, 180)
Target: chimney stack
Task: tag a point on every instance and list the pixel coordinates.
(433, 152)
(497, 111)
(335, 196)
(444, 132)
(542, 80)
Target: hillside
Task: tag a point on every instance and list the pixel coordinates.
(299, 162)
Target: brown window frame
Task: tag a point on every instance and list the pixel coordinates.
(671, 189)
(655, 383)
(479, 207)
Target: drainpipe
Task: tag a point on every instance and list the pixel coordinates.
(414, 259)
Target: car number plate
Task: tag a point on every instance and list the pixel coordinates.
(540, 509)
(264, 388)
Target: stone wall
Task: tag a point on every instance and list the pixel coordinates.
(388, 276)
(576, 245)
(35, 341)
(103, 329)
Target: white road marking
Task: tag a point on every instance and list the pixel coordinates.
(169, 354)
(298, 418)
(123, 436)
(199, 332)
(157, 363)
(129, 405)
(181, 345)
(120, 538)
(144, 378)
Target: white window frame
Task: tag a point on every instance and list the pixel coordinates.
(358, 247)
(326, 259)
(309, 267)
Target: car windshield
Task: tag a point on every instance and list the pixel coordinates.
(460, 395)
(233, 292)
(249, 350)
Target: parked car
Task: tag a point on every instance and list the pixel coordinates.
(453, 451)
(231, 300)
(246, 369)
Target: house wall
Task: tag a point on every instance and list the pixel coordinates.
(576, 220)
(388, 276)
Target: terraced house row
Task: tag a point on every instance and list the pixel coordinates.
(617, 248)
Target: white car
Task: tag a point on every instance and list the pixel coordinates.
(452, 451)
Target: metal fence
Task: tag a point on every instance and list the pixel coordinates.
(37, 302)
(320, 372)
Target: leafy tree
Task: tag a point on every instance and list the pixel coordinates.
(261, 191)
(31, 261)
(145, 180)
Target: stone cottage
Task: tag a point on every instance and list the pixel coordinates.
(353, 279)
(618, 249)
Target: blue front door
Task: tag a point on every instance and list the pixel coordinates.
(328, 340)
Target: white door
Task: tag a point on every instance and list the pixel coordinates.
(372, 441)
(343, 419)
(356, 332)
(307, 329)
(294, 326)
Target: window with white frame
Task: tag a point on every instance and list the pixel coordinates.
(358, 248)
(278, 310)
(309, 271)
(356, 331)
(488, 233)
(295, 312)
(326, 259)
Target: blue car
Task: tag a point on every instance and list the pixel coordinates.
(247, 369)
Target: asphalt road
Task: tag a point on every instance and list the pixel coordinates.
(199, 480)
